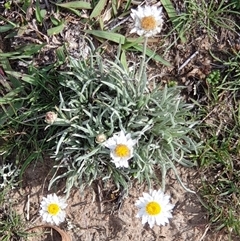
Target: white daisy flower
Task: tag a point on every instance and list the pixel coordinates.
(148, 20)
(154, 207)
(52, 209)
(121, 148)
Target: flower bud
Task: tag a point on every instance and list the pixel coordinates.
(100, 138)
(50, 117)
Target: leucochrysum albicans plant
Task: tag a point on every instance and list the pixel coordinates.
(113, 126)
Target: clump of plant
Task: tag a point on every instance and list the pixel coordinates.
(213, 82)
(102, 99)
(12, 224)
(235, 4)
(27, 96)
(8, 175)
(230, 81)
(206, 17)
(220, 164)
(220, 186)
(213, 78)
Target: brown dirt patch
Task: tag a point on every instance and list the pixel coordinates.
(105, 218)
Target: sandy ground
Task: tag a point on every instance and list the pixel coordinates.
(99, 214)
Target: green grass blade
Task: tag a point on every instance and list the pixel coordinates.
(154, 56)
(132, 41)
(123, 60)
(6, 27)
(9, 111)
(114, 7)
(33, 156)
(75, 5)
(56, 30)
(114, 37)
(98, 9)
(31, 49)
(61, 56)
(38, 12)
(8, 21)
(9, 97)
(7, 67)
(168, 6)
(27, 78)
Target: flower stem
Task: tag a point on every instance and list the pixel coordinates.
(141, 78)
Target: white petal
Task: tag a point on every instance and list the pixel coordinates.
(131, 142)
(110, 142)
(125, 164)
(114, 157)
(144, 219)
(151, 221)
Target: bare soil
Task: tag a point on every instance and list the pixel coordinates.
(101, 214)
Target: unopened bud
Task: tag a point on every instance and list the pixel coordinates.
(100, 138)
(50, 117)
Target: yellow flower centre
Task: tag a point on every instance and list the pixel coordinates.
(153, 208)
(122, 150)
(53, 209)
(148, 23)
